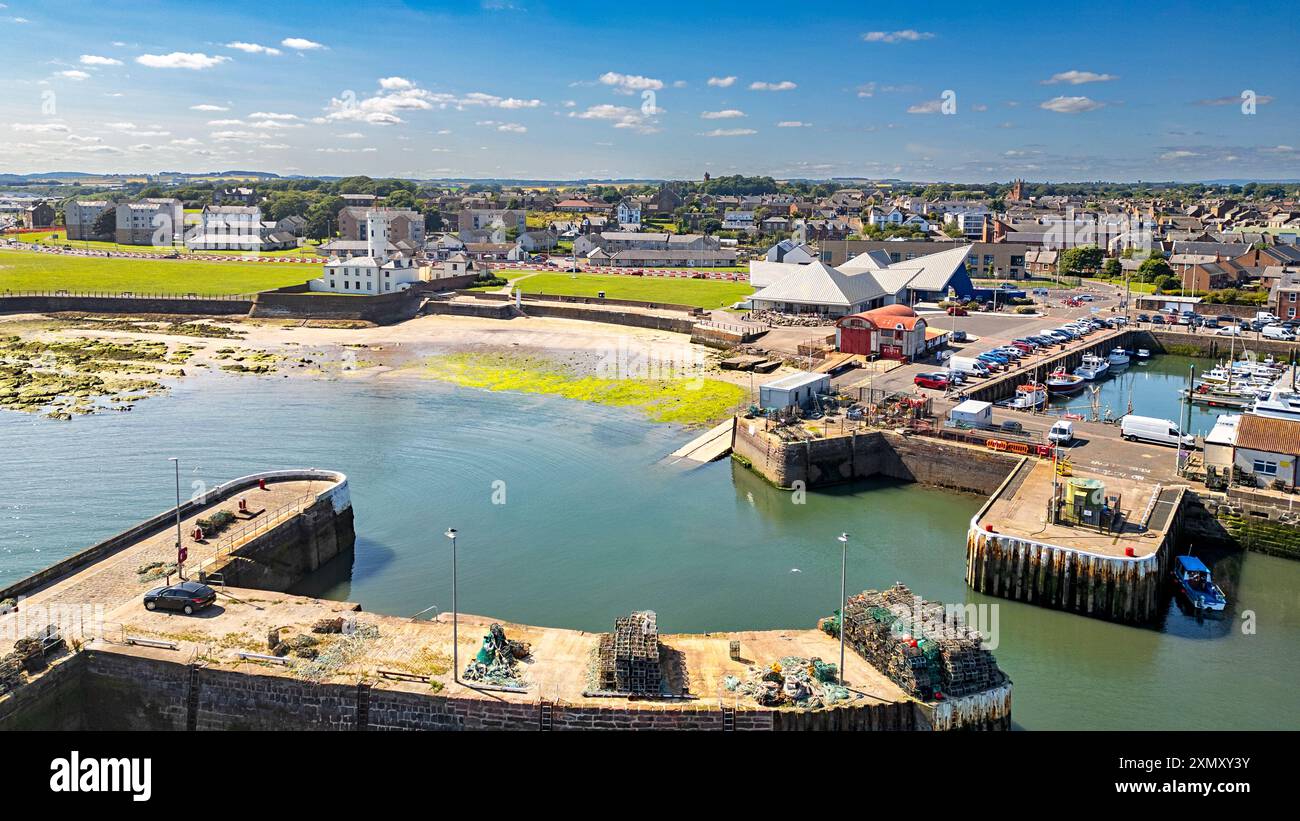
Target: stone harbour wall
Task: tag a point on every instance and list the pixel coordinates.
(862, 455)
(111, 687)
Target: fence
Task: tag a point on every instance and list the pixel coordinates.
(128, 295)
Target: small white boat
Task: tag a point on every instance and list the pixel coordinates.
(1118, 358)
(1092, 367)
(1029, 396)
(1143, 353)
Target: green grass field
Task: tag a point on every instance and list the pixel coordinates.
(33, 271)
(701, 293)
(60, 238)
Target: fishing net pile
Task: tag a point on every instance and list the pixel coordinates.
(791, 682)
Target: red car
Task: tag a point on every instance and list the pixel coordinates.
(956, 310)
(938, 381)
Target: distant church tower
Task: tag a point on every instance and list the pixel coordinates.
(1017, 190)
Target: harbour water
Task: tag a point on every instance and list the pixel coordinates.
(569, 516)
(1151, 387)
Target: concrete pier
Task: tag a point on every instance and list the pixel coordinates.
(305, 520)
(1015, 552)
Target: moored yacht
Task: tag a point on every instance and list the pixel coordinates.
(1092, 367)
(1279, 404)
(1118, 358)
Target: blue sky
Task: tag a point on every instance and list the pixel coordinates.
(524, 89)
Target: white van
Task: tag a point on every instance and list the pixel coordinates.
(1062, 433)
(969, 366)
(1264, 316)
(1277, 332)
(1148, 429)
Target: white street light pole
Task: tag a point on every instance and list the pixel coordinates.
(180, 569)
(844, 562)
(455, 612)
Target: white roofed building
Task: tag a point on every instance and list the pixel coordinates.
(372, 274)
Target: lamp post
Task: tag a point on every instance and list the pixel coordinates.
(844, 563)
(180, 548)
(455, 613)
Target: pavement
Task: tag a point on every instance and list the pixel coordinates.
(113, 581)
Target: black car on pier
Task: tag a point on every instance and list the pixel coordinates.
(187, 597)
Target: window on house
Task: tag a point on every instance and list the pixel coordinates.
(347, 285)
(1265, 467)
(331, 283)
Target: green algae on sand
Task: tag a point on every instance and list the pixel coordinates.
(683, 401)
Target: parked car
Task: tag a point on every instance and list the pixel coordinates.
(936, 380)
(1011, 426)
(958, 336)
(956, 310)
(1143, 318)
(1229, 330)
(187, 597)
(1157, 320)
(1210, 322)
(1280, 332)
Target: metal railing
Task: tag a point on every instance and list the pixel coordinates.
(128, 295)
(262, 524)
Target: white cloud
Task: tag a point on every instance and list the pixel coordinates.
(254, 48)
(188, 142)
(270, 115)
(1071, 105)
(1179, 154)
(73, 74)
(927, 107)
(96, 60)
(395, 83)
(793, 124)
(725, 114)
(722, 82)
(481, 98)
(729, 132)
(512, 128)
(351, 135)
(208, 107)
(630, 83)
(225, 122)
(1075, 77)
(300, 43)
(41, 128)
(621, 117)
(194, 61)
(903, 36)
(784, 85)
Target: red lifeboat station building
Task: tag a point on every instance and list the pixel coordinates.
(891, 332)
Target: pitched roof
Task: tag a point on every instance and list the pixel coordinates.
(819, 284)
(1268, 434)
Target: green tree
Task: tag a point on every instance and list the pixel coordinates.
(1112, 269)
(1084, 260)
(1152, 268)
(105, 223)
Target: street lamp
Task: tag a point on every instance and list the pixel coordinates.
(844, 561)
(455, 614)
(180, 549)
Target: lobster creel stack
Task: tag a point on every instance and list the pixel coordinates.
(628, 658)
(917, 644)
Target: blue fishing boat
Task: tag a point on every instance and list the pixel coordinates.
(1193, 578)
